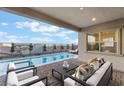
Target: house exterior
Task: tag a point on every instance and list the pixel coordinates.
(109, 38)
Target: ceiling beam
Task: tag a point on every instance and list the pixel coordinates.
(28, 12)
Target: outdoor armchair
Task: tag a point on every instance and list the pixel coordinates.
(24, 78)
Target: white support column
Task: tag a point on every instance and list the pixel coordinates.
(81, 44)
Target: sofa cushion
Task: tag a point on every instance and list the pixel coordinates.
(97, 76)
(25, 75)
(69, 81)
(28, 80)
(11, 66)
(12, 79)
(40, 83)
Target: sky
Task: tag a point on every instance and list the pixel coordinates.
(18, 29)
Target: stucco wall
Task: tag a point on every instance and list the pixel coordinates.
(117, 60)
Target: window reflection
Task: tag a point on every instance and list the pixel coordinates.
(103, 41)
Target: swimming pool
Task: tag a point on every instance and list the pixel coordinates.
(37, 61)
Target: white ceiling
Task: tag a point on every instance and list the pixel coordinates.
(82, 18)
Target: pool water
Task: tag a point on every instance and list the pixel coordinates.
(37, 61)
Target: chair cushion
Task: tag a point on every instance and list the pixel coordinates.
(17, 70)
(25, 75)
(28, 80)
(12, 79)
(40, 83)
(11, 66)
(96, 77)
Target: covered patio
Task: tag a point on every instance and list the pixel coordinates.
(91, 23)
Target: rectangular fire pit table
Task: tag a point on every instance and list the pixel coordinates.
(60, 70)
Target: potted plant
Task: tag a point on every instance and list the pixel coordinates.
(12, 48)
(44, 47)
(30, 47)
(54, 47)
(72, 46)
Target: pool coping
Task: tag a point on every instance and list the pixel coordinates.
(24, 58)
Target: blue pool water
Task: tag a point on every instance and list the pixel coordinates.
(37, 61)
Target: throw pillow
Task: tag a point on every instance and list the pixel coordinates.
(92, 60)
(84, 72)
(101, 61)
(95, 63)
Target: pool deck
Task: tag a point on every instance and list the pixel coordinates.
(46, 70)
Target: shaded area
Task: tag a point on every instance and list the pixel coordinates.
(118, 77)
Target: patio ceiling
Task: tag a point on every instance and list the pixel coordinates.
(72, 18)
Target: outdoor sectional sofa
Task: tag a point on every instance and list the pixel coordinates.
(101, 77)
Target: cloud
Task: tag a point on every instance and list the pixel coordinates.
(63, 33)
(75, 41)
(42, 39)
(45, 28)
(3, 33)
(69, 31)
(37, 27)
(19, 25)
(47, 31)
(66, 38)
(23, 37)
(13, 38)
(27, 24)
(4, 24)
(47, 34)
(69, 40)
